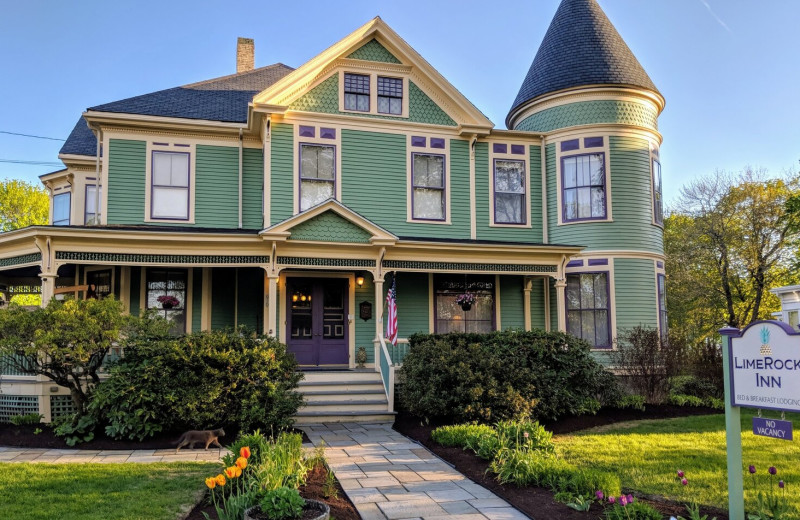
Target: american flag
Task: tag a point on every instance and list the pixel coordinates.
(391, 311)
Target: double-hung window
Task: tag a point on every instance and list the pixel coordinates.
(390, 95)
(583, 187)
(90, 211)
(509, 192)
(170, 187)
(658, 204)
(61, 209)
(356, 92)
(588, 315)
(317, 174)
(428, 186)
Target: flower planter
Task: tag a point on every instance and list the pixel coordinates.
(166, 306)
(322, 511)
(466, 306)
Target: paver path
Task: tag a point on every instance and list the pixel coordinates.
(107, 456)
(387, 475)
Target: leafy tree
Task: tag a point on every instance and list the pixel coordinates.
(22, 204)
(65, 342)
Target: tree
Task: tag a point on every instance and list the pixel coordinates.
(22, 204)
(727, 243)
(66, 342)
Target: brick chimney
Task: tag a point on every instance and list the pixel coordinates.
(245, 55)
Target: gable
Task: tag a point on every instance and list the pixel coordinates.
(324, 98)
(330, 227)
(373, 51)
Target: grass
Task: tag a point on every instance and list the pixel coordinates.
(100, 491)
(647, 454)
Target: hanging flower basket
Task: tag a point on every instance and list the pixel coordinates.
(465, 300)
(168, 302)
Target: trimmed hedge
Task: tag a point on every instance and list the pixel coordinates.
(503, 375)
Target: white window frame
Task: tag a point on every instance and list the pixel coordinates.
(508, 156)
(583, 150)
(170, 147)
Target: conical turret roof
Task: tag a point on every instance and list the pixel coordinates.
(581, 47)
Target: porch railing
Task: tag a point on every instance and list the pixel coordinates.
(399, 351)
(386, 368)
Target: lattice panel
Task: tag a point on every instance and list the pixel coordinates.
(11, 405)
(60, 406)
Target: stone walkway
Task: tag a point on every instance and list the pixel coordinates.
(107, 456)
(388, 476)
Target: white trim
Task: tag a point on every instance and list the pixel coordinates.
(188, 307)
(205, 310)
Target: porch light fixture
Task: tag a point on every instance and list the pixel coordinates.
(359, 281)
(294, 297)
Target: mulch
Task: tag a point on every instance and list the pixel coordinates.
(341, 507)
(536, 502)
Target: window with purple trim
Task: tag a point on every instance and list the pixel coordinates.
(61, 209)
(90, 212)
(168, 282)
(317, 174)
(390, 95)
(588, 308)
(658, 204)
(583, 185)
(509, 192)
(169, 198)
(356, 92)
(451, 317)
(662, 307)
(428, 186)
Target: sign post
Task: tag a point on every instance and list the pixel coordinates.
(761, 365)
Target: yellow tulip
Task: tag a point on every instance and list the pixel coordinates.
(245, 452)
(230, 472)
(241, 462)
(220, 479)
(211, 483)
(238, 471)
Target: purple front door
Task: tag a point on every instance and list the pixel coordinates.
(317, 321)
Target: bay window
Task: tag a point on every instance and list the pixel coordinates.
(588, 313)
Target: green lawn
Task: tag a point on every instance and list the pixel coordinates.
(100, 491)
(647, 454)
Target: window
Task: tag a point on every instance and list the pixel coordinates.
(317, 174)
(451, 317)
(168, 282)
(99, 283)
(794, 319)
(584, 187)
(658, 204)
(588, 308)
(662, 307)
(509, 192)
(90, 213)
(356, 92)
(61, 207)
(170, 188)
(390, 95)
(428, 197)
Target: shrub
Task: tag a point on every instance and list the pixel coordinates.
(282, 504)
(632, 511)
(460, 435)
(647, 361)
(705, 362)
(693, 385)
(25, 419)
(633, 401)
(685, 400)
(198, 381)
(503, 375)
(713, 402)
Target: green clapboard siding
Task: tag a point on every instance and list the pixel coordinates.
(330, 227)
(374, 165)
(412, 303)
(365, 330)
(553, 304)
(373, 51)
(250, 308)
(136, 288)
(591, 112)
(635, 293)
(632, 227)
(512, 312)
(223, 284)
(197, 299)
(126, 181)
(216, 202)
(252, 188)
(537, 303)
(281, 172)
(484, 177)
(324, 98)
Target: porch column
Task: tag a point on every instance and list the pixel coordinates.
(272, 320)
(561, 309)
(48, 286)
(378, 307)
(526, 301)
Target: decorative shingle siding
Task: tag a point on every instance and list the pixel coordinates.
(373, 51)
(635, 293)
(281, 172)
(412, 303)
(591, 112)
(126, 181)
(217, 191)
(252, 188)
(512, 315)
(330, 227)
(324, 98)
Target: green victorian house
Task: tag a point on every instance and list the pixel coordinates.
(289, 200)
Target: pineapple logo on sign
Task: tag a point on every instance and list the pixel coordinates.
(766, 350)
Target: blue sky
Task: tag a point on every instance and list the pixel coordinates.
(728, 69)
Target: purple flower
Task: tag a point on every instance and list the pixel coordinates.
(630, 499)
(751, 469)
(612, 500)
(599, 495)
(684, 481)
(623, 500)
(772, 470)
(680, 474)
(781, 484)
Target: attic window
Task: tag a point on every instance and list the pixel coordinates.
(390, 95)
(356, 92)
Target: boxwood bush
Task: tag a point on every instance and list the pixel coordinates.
(503, 375)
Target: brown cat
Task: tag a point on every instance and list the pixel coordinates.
(194, 436)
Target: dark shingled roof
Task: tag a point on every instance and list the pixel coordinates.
(221, 99)
(581, 47)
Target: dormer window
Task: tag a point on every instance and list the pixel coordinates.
(356, 92)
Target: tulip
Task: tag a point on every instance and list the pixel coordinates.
(238, 471)
(751, 469)
(245, 452)
(623, 500)
(630, 499)
(599, 495)
(680, 474)
(611, 500)
(211, 483)
(241, 462)
(684, 481)
(220, 479)
(526, 434)
(772, 470)
(231, 472)
(781, 484)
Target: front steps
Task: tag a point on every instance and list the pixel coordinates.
(343, 396)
